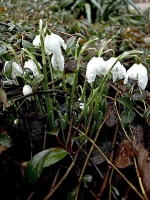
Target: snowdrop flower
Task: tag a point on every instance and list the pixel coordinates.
(118, 71)
(110, 62)
(57, 62)
(27, 90)
(137, 72)
(16, 69)
(31, 65)
(37, 41)
(81, 104)
(96, 66)
(53, 44)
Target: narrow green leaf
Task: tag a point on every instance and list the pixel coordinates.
(88, 12)
(5, 140)
(126, 102)
(96, 4)
(66, 3)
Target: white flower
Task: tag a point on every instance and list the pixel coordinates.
(96, 66)
(57, 62)
(118, 71)
(31, 65)
(16, 69)
(53, 44)
(81, 104)
(110, 62)
(137, 72)
(37, 41)
(27, 90)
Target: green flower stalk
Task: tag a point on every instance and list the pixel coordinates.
(49, 106)
(78, 58)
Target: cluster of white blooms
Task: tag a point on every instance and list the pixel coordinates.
(52, 44)
(98, 66)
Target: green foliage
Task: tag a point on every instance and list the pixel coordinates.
(101, 9)
(5, 140)
(87, 178)
(126, 101)
(146, 114)
(127, 116)
(43, 159)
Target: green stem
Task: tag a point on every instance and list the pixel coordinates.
(49, 105)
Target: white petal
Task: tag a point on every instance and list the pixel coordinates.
(138, 72)
(16, 70)
(27, 90)
(110, 62)
(92, 69)
(52, 45)
(37, 41)
(118, 71)
(57, 62)
(31, 65)
(59, 39)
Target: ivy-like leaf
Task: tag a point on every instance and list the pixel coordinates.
(27, 44)
(126, 102)
(70, 78)
(70, 41)
(5, 140)
(43, 159)
(127, 116)
(38, 79)
(87, 178)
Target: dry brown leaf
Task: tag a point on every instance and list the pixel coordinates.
(3, 97)
(112, 118)
(2, 149)
(144, 166)
(124, 154)
(23, 166)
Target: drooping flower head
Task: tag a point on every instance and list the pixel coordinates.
(57, 62)
(96, 66)
(37, 41)
(53, 44)
(31, 65)
(118, 71)
(137, 72)
(27, 90)
(16, 69)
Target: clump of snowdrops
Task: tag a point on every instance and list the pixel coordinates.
(84, 104)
